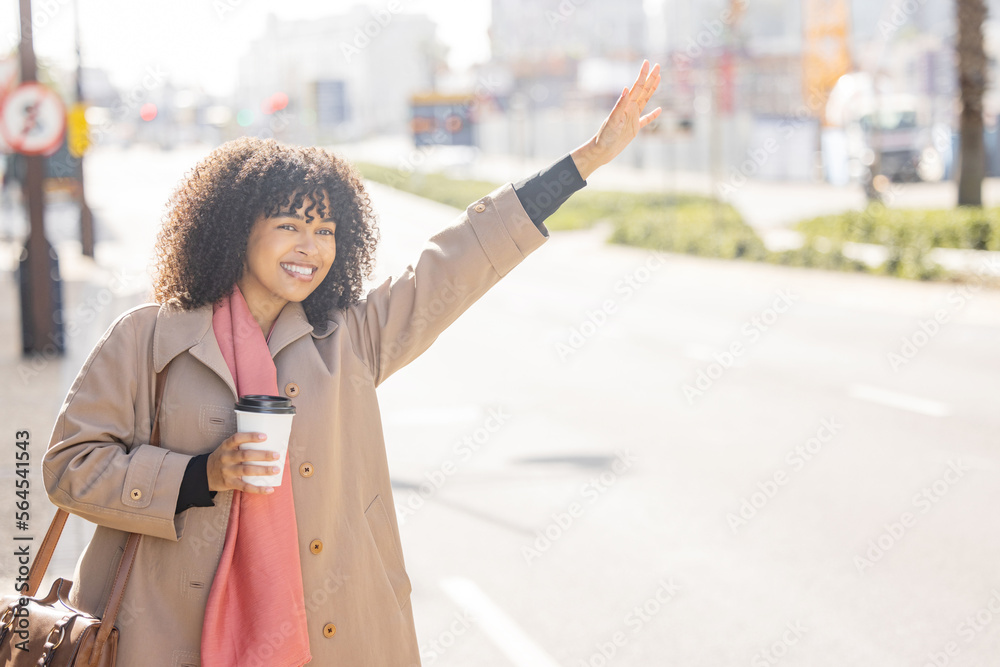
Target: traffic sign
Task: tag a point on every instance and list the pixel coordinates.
(33, 119)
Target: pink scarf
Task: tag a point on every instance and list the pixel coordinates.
(257, 589)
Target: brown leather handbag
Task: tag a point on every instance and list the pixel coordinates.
(49, 632)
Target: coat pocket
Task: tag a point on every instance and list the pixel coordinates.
(388, 551)
(217, 420)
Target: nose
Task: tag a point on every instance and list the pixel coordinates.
(306, 244)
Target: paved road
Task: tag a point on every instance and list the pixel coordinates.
(625, 458)
(810, 424)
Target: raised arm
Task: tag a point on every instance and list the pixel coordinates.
(400, 318)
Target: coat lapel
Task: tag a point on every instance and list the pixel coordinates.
(178, 330)
(291, 325)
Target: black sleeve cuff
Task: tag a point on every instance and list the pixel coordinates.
(194, 487)
(545, 191)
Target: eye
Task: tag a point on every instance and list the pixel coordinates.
(328, 231)
(288, 225)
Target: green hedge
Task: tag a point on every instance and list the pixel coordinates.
(709, 229)
(713, 229)
(964, 227)
(832, 258)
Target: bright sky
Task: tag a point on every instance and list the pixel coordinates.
(191, 42)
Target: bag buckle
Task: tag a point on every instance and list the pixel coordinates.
(49, 650)
(57, 628)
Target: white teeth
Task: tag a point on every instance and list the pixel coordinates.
(298, 269)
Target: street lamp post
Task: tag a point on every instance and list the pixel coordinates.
(39, 267)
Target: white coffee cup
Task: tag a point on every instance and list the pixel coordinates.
(271, 415)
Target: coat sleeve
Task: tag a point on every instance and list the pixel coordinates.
(94, 467)
(399, 319)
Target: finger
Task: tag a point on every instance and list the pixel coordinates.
(236, 456)
(238, 439)
(258, 455)
(650, 86)
(246, 487)
(654, 73)
(649, 118)
(654, 80)
(641, 79)
(253, 470)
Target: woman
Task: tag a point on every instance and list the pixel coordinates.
(258, 291)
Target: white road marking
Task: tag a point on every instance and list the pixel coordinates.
(923, 406)
(505, 633)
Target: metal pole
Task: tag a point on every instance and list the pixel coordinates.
(39, 269)
(86, 218)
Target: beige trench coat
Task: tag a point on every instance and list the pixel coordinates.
(98, 465)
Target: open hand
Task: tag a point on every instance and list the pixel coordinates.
(622, 124)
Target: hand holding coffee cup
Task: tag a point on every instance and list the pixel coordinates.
(228, 464)
(246, 461)
(273, 416)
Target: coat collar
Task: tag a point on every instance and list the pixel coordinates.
(177, 330)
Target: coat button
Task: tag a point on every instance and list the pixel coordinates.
(136, 494)
(306, 469)
(480, 208)
(291, 390)
(316, 546)
(329, 630)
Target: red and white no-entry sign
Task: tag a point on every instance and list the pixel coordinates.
(33, 119)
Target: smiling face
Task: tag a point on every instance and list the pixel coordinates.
(288, 255)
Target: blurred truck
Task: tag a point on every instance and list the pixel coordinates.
(886, 133)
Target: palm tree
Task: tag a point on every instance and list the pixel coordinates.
(972, 83)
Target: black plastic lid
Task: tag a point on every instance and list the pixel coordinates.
(267, 404)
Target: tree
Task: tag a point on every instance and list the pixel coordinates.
(972, 83)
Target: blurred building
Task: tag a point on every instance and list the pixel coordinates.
(538, 44)
(740, 68)
(527, 32)
(345, 75)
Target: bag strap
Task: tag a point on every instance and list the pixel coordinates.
(41, 561)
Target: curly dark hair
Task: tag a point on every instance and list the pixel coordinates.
(201, 247)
